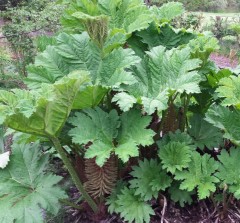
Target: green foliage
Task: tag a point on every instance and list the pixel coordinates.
(181, 196)
(229, 170)
(169, 11)
(149, 179)
(235, 28)
(155, 35)
(24, 20)
(177, 136)
(112, 199)
(200, 175)
(131, 207)
(175, 156)
(163, 73)
(226, 120)
(25, 187)
(230, 90)
(43, 41)
(202, 47)
(129, 15)
(124, 79)
(214, 79)
(110, 133)
(41, 112)
(175, 151)
(204, 133)
(78, 52)
(189, 20)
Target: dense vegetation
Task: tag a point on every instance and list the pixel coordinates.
(205, 5)
(133, 107)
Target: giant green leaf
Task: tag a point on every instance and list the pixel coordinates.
(129, 15)
(42, 112)
(226, 120)
(164, 35)
(115, 39)
(168, 11)
(52, 62)
(25, 188)
(78, 52)
(162, 73)
(38, 75)
(230, 90)
(89, 97)
(72, 24)
(109, 133)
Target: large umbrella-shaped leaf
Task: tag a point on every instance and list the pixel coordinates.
(42, 112)
(25, 189)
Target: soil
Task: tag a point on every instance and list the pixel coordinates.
(166, 211)
(200, 212)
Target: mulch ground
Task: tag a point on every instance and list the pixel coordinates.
(165, 212)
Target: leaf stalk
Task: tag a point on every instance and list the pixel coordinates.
(73, 174)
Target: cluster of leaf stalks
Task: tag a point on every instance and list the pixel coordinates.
(134, 108)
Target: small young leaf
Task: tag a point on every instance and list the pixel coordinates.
(131, 207)
(229, 170)
(149, 179)
(175, 156)
(178, 137)
(181, 196)
(124, 101)
(200, 174)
